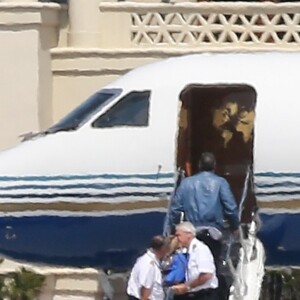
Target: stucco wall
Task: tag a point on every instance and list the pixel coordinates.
(93, 42)
(27, 32)
(19, 84)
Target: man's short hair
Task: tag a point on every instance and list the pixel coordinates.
(187, 227)
(207, 162)
(158, 242)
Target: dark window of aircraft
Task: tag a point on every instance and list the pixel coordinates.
(83, 112)
(131, 110)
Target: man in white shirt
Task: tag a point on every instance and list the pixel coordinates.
(145, 282)
(201, 281)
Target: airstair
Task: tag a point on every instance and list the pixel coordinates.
(249, 273)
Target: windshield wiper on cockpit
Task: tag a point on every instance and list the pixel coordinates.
(30, 135)
(83, 112)
(55, 129)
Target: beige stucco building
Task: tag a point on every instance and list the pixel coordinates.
(53, 56)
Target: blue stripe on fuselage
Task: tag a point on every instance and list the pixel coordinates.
(279, 193)
(116, 241)
(95, 176)
(280, 236)
(82, 195)
(106, 242)
(96, 186)
(64, 186)
(276, 175)
(286, 184)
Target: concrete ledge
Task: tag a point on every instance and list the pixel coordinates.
(205, 7)
(9, 266)
(12, 14)
(100, 62)
(29, 5)
(60, 282)
(158, 52)
(96, 62)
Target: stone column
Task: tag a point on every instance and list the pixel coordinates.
(116, 26)
(91, 28)
(84, 30)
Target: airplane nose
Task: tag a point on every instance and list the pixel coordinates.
(53, 213)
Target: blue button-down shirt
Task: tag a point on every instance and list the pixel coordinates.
(205, 199)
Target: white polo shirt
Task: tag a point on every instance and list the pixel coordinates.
(146, 273)
(201, 261)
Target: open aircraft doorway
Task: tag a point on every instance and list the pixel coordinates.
(220, 119)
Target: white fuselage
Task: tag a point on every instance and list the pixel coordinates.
(137, 164)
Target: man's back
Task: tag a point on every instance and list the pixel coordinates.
(205, 198)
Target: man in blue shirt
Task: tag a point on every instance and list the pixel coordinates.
(205, 198)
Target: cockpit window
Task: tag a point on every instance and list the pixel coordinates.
(131, 110)
(83, 112)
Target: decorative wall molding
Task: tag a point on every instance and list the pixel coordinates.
(208, 26)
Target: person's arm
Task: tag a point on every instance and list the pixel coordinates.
(146, 279)
(145, 293)
(229, 205)
(205, 268)
(186, 287)
(203, 277)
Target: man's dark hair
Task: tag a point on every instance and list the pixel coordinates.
(158, 242)
(207, 162)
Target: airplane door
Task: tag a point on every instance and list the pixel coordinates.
(220, 119)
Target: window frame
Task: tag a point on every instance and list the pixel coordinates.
(116, 92)
(118, 101)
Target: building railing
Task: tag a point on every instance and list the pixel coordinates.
(210, 26)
